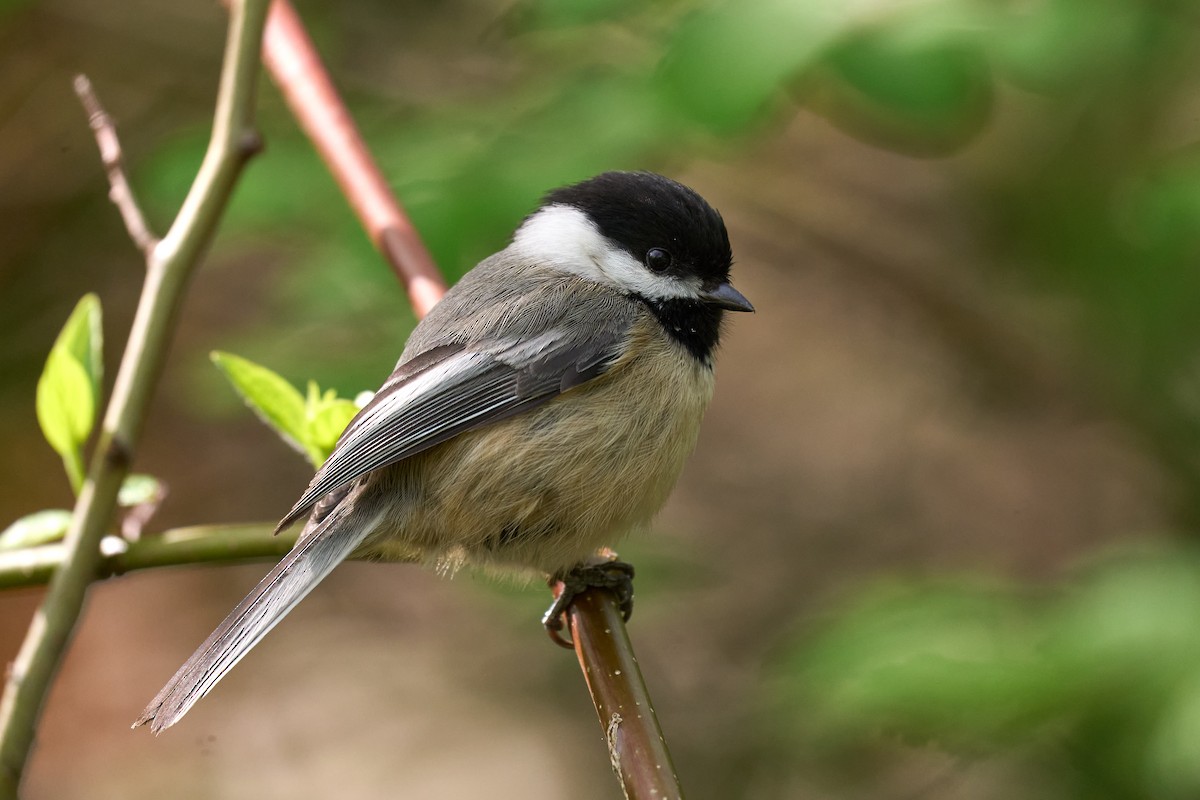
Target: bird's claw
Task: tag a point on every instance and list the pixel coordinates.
(616, 576)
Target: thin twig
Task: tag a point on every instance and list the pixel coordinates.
(601, 642)
(114, 164)
(199, 544)
(169, 265)
(177, 547)
(293, 61)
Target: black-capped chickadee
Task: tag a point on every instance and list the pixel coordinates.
(542, 410)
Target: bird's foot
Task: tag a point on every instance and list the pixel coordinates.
(616, 576)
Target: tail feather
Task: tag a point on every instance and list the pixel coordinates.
(314, 557)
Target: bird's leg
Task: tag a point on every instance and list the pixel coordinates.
(603, 572)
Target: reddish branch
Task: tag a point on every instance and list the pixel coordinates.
(292, 60)
(636, 746)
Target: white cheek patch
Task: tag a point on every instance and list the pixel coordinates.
(564, 237)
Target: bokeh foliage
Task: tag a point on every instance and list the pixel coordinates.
(1094, 685)
(1070, 126)
(1094, 194)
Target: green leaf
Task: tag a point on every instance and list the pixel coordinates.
(41, 527)
(327, 419)
(83, 338)
(311, 423)
(68, 390)
(66, 410)
(65, 404)
(270, 396)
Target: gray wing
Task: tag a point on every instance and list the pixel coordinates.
(453, 388)
(287, 584)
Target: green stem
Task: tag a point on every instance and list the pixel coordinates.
(73, 464)
(199, 544)
(168, 269)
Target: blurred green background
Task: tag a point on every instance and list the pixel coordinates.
(938, 539)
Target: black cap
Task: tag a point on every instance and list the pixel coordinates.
(641, 211)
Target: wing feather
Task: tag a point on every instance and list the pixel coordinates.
(454, 390)
(278, 593)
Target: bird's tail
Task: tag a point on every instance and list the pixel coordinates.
(313, 557)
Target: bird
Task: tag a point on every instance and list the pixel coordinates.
(541, 411)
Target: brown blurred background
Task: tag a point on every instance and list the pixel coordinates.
(929, 385)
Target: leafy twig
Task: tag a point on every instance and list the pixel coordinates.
(169, 265)
(200, 544)
(177, 547)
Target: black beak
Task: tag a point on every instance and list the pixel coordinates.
(726, 297)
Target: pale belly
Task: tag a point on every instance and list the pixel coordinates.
(547, 488)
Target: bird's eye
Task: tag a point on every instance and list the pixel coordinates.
(657, 259)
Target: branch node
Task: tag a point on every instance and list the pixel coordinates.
(249, 144)
(117, 454)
